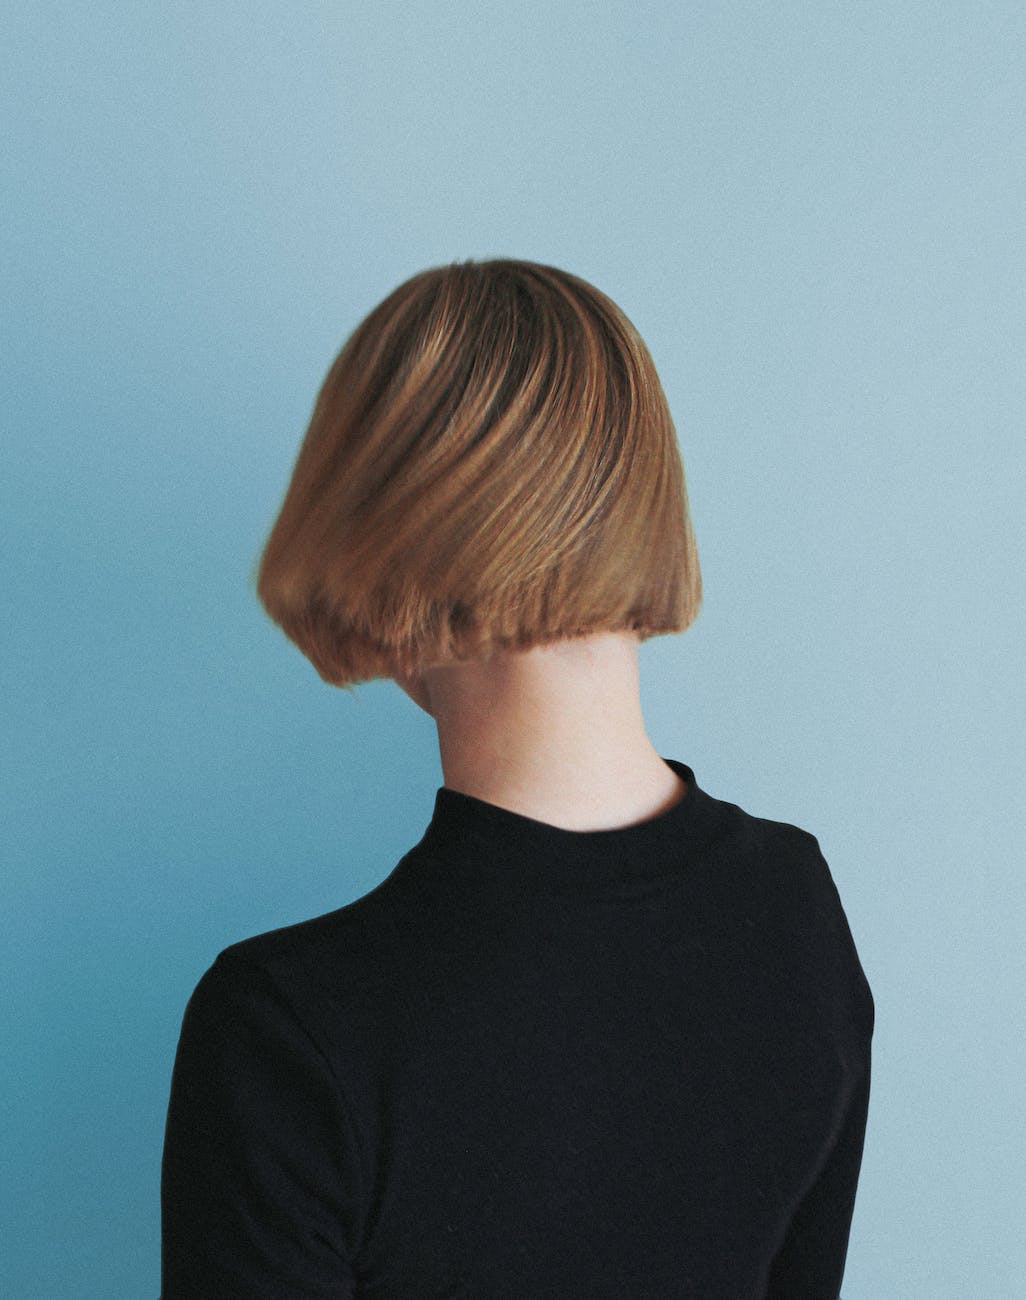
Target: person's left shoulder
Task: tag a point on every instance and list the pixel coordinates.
(296, 949)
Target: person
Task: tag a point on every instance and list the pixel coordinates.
(598, 1033)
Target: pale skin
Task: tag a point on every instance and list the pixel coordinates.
(554, 733)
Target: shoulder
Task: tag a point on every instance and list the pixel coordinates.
(780, 849)
(826, 922)
(315, 962)
(789, 887)
(288, 964)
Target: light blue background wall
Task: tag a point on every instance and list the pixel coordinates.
(814, 214)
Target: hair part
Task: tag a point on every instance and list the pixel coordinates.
(490, 465)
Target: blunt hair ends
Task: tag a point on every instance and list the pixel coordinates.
(490, 465)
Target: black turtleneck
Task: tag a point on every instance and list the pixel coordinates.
(533, 1062)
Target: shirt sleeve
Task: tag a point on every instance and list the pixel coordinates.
(259, 1178)
(810, 1263)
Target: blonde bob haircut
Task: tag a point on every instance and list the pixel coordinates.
(490, 465)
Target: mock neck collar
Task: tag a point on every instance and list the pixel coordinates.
(483, 840)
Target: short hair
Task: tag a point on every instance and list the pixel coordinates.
(490, 465)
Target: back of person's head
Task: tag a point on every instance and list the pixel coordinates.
(490, 465)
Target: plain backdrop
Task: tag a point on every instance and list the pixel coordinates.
(814, 214)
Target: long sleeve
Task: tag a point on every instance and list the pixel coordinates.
(532, 1062)
(810, 1262)
(260, 1173)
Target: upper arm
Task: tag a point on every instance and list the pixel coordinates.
(259, 1180)
(810, 1262)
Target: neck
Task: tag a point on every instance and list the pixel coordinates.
(555, 733)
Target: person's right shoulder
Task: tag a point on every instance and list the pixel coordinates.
(820, 911)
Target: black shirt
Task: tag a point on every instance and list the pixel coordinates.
(533, 1062)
